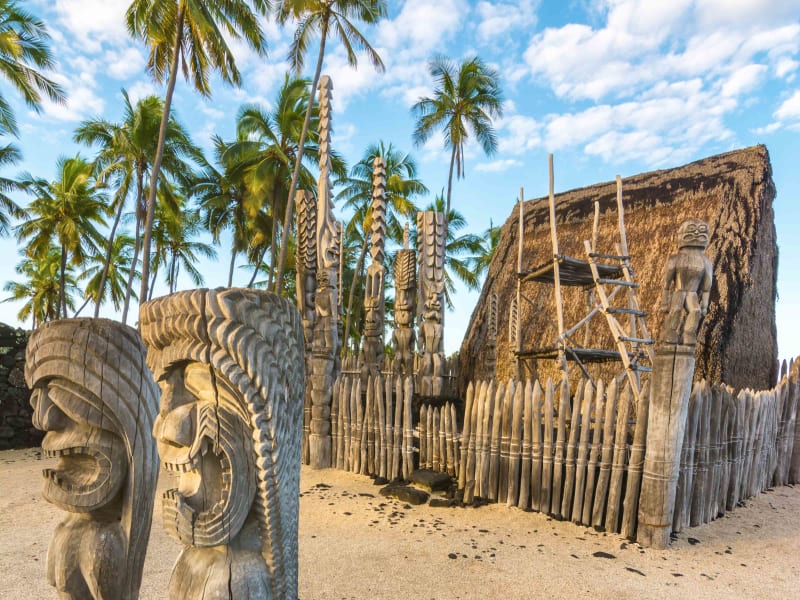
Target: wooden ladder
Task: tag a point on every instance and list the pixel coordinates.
(623, 338)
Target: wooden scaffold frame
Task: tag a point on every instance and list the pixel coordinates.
(603, 281)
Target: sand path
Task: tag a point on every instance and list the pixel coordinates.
(356, 544)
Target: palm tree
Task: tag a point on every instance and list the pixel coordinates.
(401, 186)
(40, 287)
(126, 152)
(462, 253)
(9, 155)
(319, 17)
(100, 271)
(189, 34)
(267, 149)
(67, 211)
(24, 47)
(491, 239)
(175, 232)
(466, 98)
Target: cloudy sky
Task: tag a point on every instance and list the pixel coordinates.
(608, 86)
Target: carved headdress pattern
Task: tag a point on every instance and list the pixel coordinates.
(255, 340)
(102, 363)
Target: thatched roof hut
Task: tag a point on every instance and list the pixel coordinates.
(732, 192)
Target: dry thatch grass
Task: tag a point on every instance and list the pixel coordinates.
(733, 192)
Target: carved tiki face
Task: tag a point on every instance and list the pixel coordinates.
(433, 306)
(204, 435)
(693, 233)
(92, 458)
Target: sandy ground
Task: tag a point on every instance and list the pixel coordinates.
(356, 544)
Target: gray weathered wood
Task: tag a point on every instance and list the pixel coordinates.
(505, 443)
(466, 432)
(537, 451)
(594, 455)
(545, 498)
(494, 448)
(583, 453)
(606, 456)
(630, 508)
(618, 462)
(560, 449)
(572, 451)
(515, 447)
(525, 496)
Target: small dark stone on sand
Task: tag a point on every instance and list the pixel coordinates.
(322, 486)
(601, 554)
(366, 495)
(623, 545)
(431, 481)
(637, 571)
(574, 556)
(693, 541)
(677, 574)
(405, 493)
(452, 555)
(347, 513)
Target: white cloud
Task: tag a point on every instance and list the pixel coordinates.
(94, 21)
(141, 89)
(125, 62)
(743, 80)
(498, 18)
(422, 26)
(786, 67)
(497, 166)
(789, 108)
(82, 102)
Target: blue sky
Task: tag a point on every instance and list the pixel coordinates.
(609, 86)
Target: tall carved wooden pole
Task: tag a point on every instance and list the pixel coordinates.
(371, 358)
(687, 286)
(491, 338)
(404, 336)
(431, 240)
(306, 267)
(326, 330)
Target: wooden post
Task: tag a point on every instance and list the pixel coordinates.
(527, 447)
(673, 371)
(505, 442)
(606, 456)
(466, 431)
(583, 453)
(535, 439)
(700, 457)
(545, 498)
(456, 449)
(477, 413)
(633, 486)
(618, 461)
(594, 456)
(572, 446)
(514, 448)
(520, 245)
(560, 449)
(562, 357)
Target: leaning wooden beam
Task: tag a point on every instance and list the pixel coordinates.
(594, 456)
(606, 456)
(633, 486)
(514, 448)
(618, 462)
(572, 445)
(546, 496)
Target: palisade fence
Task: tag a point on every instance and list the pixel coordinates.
(576, 456)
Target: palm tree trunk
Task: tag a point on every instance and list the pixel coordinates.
(107, 263)
(129, 286)
(351, 295)
(152, 284)
(287, 221)
(162, 135)
(62, 280)
(274, 247)
(233, 264)
(255, 270)
(80, 310)
(449, 192)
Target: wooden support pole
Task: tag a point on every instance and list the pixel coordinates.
(606, 456)
(527, 447)
(505, 442)
(633, 487)
(520, 246)
(562, 357)
(466, 432)
(594, 456)
(583, 453)
(572, 450)
(560, 449)
(618, 461)
(545, 498)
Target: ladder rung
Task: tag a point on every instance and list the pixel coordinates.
(632, 284)
(627, 311)
(608, 256)
(634, 340)
(642, 368)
